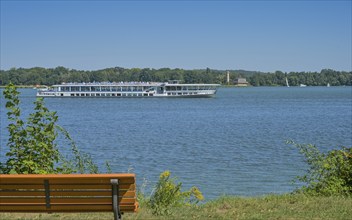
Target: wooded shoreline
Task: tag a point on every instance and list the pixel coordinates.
(58, 75)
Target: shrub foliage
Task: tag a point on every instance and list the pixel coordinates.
(167, 195)
(32, 143)
(328, 173)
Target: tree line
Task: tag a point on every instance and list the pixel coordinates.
(58, 75)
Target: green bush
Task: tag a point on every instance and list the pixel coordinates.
(32, 143)
(328, 173)
(167, 195)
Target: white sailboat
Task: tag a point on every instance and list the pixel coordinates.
(287, 83)
(328, 85)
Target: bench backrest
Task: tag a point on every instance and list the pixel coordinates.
(66, 193)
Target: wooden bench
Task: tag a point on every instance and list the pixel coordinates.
(68, 193)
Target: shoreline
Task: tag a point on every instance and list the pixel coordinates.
(284, 206)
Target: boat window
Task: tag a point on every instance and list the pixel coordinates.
(105, 88)
(85, 88)
(74, 88)
(65, 89)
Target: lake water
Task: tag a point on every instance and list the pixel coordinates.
(231, 144)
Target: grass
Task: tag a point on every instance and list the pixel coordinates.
(229, 207)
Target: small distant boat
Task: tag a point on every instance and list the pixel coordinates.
(328, 85)
(287, 83)
(302, 85)
(40, 87)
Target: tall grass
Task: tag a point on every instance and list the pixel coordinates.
(295, 206)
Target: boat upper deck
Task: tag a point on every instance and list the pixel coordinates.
(132, 84)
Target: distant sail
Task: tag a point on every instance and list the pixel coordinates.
(287, 83)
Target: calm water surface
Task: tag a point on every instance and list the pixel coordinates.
(231, 144)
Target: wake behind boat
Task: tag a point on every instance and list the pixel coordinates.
(129, 89)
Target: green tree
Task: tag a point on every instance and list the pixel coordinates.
(145, 75)
(4, 77)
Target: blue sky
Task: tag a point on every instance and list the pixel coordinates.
(251, 35)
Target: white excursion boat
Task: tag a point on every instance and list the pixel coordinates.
(129, 89)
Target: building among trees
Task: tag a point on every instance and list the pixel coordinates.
(240, 82)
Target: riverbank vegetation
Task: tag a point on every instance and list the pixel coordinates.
(326, 192)
(58, 75)
(328, 174)
(32, 144)
(296, 206)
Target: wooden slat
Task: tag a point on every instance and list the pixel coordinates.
(63, 193)
(100, 181)
(37, 178)
(66, 200)
(20, 186)
(71, 176)
(17, 186)
(66, 208)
